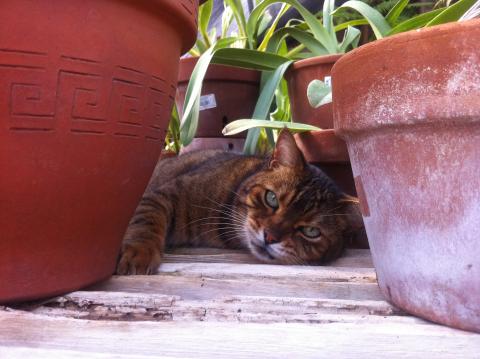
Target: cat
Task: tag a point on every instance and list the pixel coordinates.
(283, 210)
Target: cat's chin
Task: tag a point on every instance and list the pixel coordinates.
(262, 253)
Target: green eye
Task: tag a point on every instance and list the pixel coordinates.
(311, 232)
(271, 199)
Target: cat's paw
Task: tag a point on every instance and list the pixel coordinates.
(138, 258)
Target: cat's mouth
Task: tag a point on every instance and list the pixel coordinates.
(262, 252)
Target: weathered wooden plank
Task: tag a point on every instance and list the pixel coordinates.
(265, 271)
(195, 281)
(38, 336)
(359, 258)
(154, 307)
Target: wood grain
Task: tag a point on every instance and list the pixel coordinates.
(28, 335)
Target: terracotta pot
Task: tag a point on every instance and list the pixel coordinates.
(322, 148)
(83, 104)
(408, 107)
(300, 74)
(228, 94)
(215, 143)
(330, 153)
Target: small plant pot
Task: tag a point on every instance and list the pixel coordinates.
(86, 91)
(408, 107)
(298, 77)
(228, 94)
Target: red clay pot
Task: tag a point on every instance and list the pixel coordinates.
(322, 148)
(228, 93)
(298, 76)
(409, 109)
(84, 99)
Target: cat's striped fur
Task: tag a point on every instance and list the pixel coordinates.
(217, 199)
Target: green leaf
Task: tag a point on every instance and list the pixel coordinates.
(204, 14)
(378, 24)
(239, 14)
(272, 28)
(452, 13)
(227, 18)
(319, 93)
(415, 22)
(345, 25)
(350, 38)
(245, 124)
(396, 11)
(262, 108)
(319, 32)
(246, 58)
(191, 108)
(302, 37)
(328, 8)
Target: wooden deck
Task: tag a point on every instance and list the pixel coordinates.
(211, 303)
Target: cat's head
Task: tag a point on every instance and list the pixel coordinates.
(295, 214)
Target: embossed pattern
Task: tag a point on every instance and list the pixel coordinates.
(78, 99)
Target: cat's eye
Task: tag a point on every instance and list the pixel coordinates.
(271, 199)
(310, 232)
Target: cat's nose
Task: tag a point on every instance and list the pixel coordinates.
(270, 238)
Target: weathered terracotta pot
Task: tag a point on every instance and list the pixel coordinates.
(84, 105)
(329, 152)
(228, 94)
(298, 76)
(409, 109)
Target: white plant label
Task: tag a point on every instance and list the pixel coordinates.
(207, 102)
(328, 81)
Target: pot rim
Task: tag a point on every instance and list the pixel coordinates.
(185, 20)
(315, 61)
(217, 72)
(406, 37)
(389, 96)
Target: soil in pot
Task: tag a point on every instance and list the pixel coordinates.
(411, 119)
(83, 99)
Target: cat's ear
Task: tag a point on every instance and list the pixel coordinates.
(286, 152)
(352, 206)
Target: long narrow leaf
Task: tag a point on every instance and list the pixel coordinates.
(395, 12)
(377, 22)
(317, 29)
(301, 36)
(245, 124)
(246, 58)
(328, 7)
(272, 28)
(262, 108)
(350, 38)
(415, 22)
(345, 25)
(227, 18)
(239, 15)
(191, 108)
(204, 14)
(452, 13)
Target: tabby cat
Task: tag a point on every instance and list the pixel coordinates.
(280, 208)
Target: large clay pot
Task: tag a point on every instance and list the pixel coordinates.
(228, 94)
(298, 77)
(409, 109)
(86, 90)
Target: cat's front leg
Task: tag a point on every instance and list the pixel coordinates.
(144, 240)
